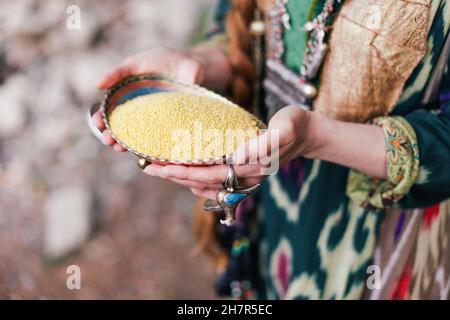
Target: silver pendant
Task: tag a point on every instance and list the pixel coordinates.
(311, 69)
(228, 198)
(285, 19)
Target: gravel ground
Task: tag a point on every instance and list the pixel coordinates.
(65, 199)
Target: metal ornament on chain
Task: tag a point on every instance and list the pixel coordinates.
(316, 47)
(280, 19)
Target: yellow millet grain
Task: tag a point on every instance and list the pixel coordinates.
(181, 126)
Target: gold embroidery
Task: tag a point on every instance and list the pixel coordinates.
(373, 49)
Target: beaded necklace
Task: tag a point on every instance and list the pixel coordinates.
(316, 47)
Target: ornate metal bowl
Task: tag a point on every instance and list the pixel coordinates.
(136, 86)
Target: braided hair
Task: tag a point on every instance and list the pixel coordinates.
(237, 25)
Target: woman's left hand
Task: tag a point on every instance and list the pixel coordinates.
(286, 139)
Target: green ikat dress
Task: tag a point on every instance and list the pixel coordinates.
(317, 230)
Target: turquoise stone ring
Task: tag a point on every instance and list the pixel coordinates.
(233, 198)
(228, 198)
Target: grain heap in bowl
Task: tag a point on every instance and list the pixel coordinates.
(180, 126)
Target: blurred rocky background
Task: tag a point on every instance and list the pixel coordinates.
(65, 199)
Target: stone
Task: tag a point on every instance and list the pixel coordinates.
(85, 71)
(67, 220)
(12, 109)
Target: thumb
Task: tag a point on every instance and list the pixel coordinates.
(115, 75)
(254, 150)
(287, 122)
(190, 71)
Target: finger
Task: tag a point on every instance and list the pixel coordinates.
(153, 170)
(264, 150)
(215, 174)
(208, 175)
(277, 157)
(286, 121)
(208, 194)
(107, 138)
(253, 150)
(97, 119)
(117, 147)
(189, 71)
(259, 150)
(196, 185)
(116, 74)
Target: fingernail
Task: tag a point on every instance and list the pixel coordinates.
(187, 71)
(165, 172)
(150, 171)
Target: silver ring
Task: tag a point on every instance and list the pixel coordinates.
(231, 181)
(228, 197)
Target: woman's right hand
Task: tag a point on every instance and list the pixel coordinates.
(204, 66)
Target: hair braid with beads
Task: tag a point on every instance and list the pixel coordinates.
(237, 24)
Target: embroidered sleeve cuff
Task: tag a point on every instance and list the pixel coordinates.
(402, 161)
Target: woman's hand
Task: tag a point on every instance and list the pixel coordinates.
(205, 66)
(297, 132)
(284, 140)
(292, 132)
